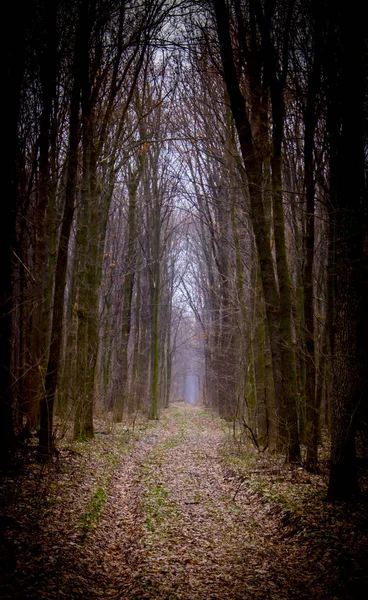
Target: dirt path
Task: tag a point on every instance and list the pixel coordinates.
(176, 523)
(173, 530)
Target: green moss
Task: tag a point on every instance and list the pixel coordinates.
(157, 507)
(120, 447)
(90, 517)
(82, 438)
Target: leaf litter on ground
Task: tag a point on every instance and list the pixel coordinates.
(177, 509)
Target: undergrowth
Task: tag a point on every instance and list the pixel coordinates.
(288, 486)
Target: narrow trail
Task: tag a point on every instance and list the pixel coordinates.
(173, 530)
(161, 513)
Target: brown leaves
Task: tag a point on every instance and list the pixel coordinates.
(185, 515)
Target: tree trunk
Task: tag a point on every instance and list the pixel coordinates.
(155, 285)
(53, 366)
(253, 163)
(41, 298)
(289, 428)
(312, 406)
(14, 33)
(348, 370)
(350, 200)
(124, 400)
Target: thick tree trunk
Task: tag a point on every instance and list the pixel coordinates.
(41, 298)
(227, 359)
(155, 350)
(250, 390)
(312, 400)
(136, 359)
(168, 344)
(246, 363)
(142, 357)
(350, 200)
(87, 236)
(14, 34)
(87, 294)
(289, 429)
(125, 400)
(348, 371)
(155, 285)
(53, 366)
(276, 74)
(263, 362)
(253, 162)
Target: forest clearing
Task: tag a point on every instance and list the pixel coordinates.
(177, 509)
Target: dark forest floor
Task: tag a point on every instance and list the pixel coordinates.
(176, 509)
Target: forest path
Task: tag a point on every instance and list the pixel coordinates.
(175, 509)
(171, 528)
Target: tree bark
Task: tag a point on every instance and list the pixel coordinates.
(155, 289)
(14, 34)
(41, 298)
(253, 162)
(47, 402)
(125, 400)
(289, 429)
(312, 400)
(350, 218)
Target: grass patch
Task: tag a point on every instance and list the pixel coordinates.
(90, 517)
(155, 500)
(204, 412)
(288, 486)
(158, 509)
(107, 452)
(157, 506)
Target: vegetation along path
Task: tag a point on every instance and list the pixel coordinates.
(169, 515)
